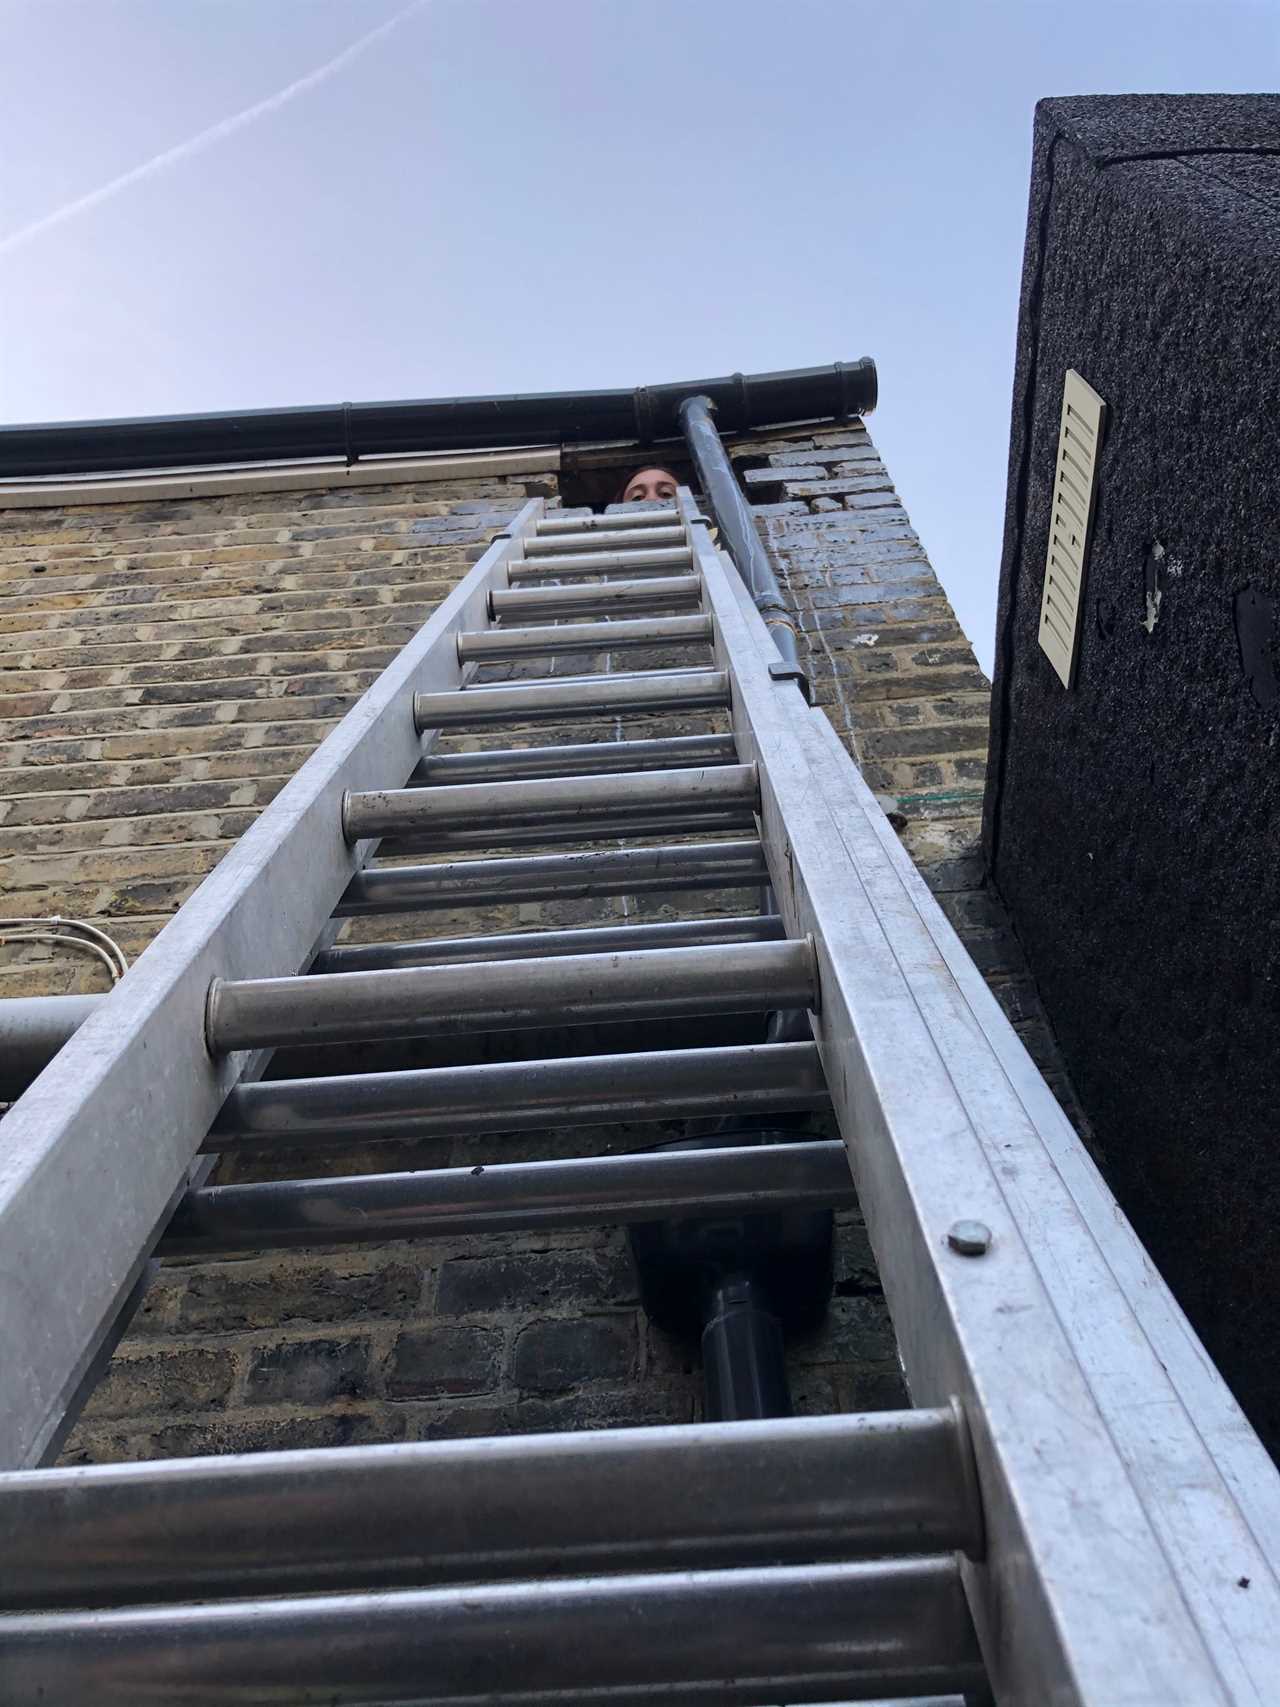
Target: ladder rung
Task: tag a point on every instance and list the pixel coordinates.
(587, 758)
(592, 696)
(655, 594)
(579, 989)
(556, 523)
(797, 1632)
(533, 945)
(652, 538)
(592, 678)
(547, 801)
(736, 821)
(592, 1191)
(555, 877)
(654, 560)
(32, 1030)
(490, 644)
(523, 1096)
(450, 1511)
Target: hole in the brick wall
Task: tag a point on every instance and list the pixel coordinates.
(593, 479)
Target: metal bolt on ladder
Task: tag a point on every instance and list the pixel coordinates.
(1064, 1517)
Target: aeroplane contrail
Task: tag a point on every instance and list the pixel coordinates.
(205, 138)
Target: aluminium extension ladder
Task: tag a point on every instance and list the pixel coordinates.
(1075, 1510)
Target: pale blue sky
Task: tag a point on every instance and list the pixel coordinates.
(549, 194)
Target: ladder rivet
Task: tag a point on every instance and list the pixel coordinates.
(969, 1238)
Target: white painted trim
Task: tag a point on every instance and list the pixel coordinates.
(133, 488)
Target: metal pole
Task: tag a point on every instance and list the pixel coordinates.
(33, 1029)
(582, 758)
(548, 801)
(640, 538)
(736, 523)
(555, 877)
(660, 560)
(533, 945)
(556, 522)
(521, 1096)
(655, 594)
(578, 989)
(736, 1638)
(547, 640)
(737, 821)
(654, 536)
(589, 1191)
(552, 701)
(889, 1483)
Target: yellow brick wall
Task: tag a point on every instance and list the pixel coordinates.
(165, 667)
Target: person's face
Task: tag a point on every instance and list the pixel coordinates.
(648, 484)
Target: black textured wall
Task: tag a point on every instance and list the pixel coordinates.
(1131, 823)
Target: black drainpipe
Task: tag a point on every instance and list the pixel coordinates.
(740, 1284)
(645, 415)
(733, 517)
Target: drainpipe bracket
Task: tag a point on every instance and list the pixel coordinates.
(782, 670)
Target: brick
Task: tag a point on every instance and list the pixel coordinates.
(650, 1405)
(551, 1356)
(177, 1378)
(840, 459)
(995, 951)
(880, 1389)
(220, 1432)
(308, 1372)
(908, 686)
(1039, 1041)
(943, 875)
(433, 1362)
(858, 491)
(857, 1332)
(1019, 999)
(227, 1297)
(977, 909)
(757, 479)
(925, 738)
(536, 1279)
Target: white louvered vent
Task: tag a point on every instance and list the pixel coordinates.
(1071, 522)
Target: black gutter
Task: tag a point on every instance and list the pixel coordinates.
(646, 415)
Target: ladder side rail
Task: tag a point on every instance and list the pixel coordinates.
(1093, 1592)
(98, 1147)
(1209, 1488)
